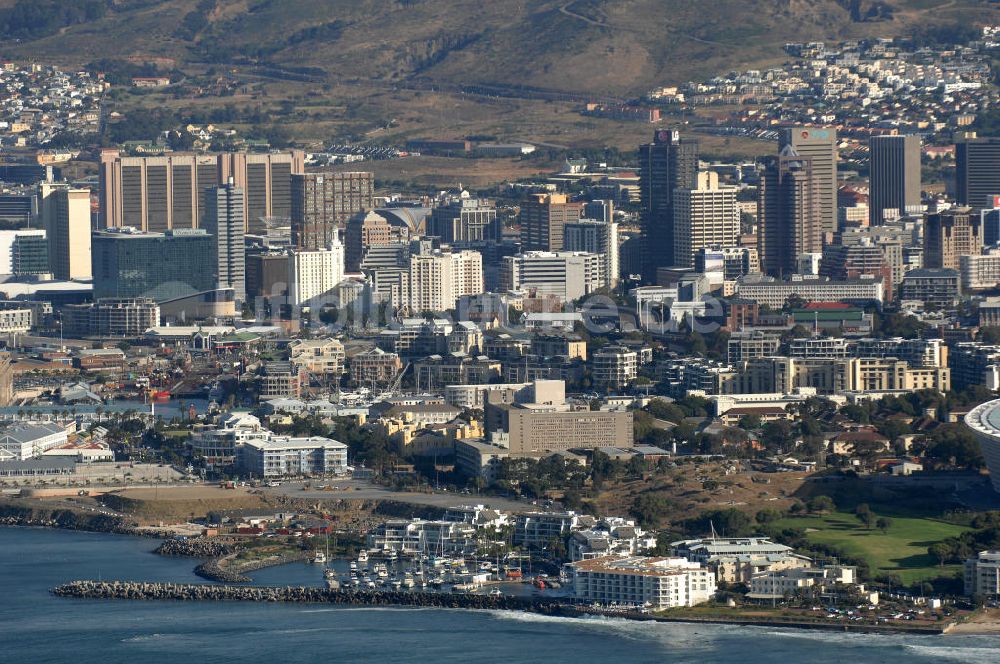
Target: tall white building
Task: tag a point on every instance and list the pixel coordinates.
(438, 278)
(66, 216)
(315, 273)
(568, 275)
(224, 222)
(596, 237)
(703, 217)
(982, 574)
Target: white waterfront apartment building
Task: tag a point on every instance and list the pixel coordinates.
(657, 583)
(284, 456)
(982, 574)
(423, 536)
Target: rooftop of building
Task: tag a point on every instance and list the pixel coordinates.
(638, 565)
(985, 419)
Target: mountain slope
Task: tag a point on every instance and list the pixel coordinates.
(615, 47)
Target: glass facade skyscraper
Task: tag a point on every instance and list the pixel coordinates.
(162, 266)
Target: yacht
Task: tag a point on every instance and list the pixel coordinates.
(319, 558)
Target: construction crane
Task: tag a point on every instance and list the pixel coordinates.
(393, 387)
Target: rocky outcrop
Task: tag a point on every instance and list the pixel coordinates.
(22, 514)
(213, 571)
(229, 569)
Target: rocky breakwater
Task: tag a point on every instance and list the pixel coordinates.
(132, 590)
(198, 547)
(231, 569)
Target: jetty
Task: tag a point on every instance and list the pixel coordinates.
(134, 590)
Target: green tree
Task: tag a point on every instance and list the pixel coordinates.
(865, 515)
(650, 508)
(821, 504)
(883, 523)
(940, 552)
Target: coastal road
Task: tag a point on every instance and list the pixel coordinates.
(362, 490)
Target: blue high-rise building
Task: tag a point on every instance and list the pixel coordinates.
(162, 266)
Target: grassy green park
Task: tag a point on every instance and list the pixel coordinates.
(900, 550)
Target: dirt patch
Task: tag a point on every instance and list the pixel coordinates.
(150, 506)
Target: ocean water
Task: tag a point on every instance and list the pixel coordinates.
(37, 627)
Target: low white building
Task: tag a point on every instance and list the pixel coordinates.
(611, 536)
(284, 456)
(657, 583)
(25, 441)
(788, 582)
(739, 559)
(15, 320)
(423, 536)
(478, 458)
(477, 515)
(536, 530)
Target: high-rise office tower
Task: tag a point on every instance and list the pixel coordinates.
(666, 164)
(820, 145)
(596, 237)
(322, 203)
(65, 214)
(951, 234)
(600, 210)
(977, 169)
(990, 216)
(788, 222)
(894, 164)
(163, 266)
(366, 230)
(543, 217)
(267, 274)
(315, 273)
(224, 222)
(157, 193)
(705, 216)
(465, 221)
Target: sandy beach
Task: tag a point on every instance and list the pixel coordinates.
(986, 621)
